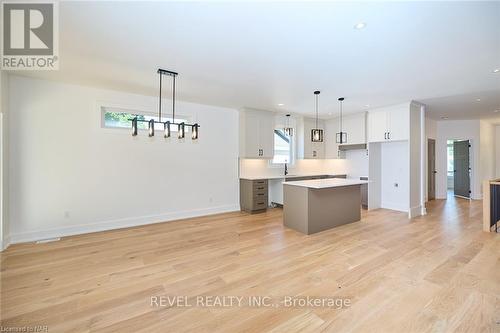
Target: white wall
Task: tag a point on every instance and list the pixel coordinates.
(497, 149)
(457, 130)
(415, 160)
(68, 175)
(356, 163)
(4, 170)
(487, 150)
(395, 171)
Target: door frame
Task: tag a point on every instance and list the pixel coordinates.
(469, 171)
(431, 173)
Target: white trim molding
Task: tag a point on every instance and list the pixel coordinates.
(117, 224)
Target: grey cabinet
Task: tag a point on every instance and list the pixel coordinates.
(253, 195)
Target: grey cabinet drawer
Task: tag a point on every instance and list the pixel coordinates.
(260, 204)
(253, 195)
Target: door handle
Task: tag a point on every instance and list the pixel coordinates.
(434, 171)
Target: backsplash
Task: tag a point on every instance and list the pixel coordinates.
(263, 168)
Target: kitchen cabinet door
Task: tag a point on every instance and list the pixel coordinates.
(355, 127)
(266, 135)
(377, 126)
(399, 124)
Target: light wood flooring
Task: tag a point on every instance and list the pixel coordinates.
(438, 273)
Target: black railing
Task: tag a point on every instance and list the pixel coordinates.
(495, 206)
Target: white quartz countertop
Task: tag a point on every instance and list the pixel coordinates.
(326, 183)
(291, 176)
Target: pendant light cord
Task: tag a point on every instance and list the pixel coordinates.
(317, 110)
(341, 100)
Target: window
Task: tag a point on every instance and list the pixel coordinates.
(119, 118)
(282, 147)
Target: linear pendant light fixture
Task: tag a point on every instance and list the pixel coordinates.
(181, 127)
(341, 136)
(317, 133)
(287, 129)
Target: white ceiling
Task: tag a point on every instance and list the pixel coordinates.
(262, 54)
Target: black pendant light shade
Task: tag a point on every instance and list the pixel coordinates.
(194, 132)
(181, 127)
(341, 137)
(181, 130)
(317, 133)
(134, 126)
(166, 129)
(287, 129)
(151, 128)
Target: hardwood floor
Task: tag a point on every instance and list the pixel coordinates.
(438, 273)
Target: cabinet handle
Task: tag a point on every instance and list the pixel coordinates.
(260, 188)
(389, 135)
(260, 193)
(385, 135)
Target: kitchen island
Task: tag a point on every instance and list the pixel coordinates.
(311, 206)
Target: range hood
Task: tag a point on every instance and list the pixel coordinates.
(361, 146)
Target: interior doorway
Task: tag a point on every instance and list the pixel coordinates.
(431, 169)
(459, 170)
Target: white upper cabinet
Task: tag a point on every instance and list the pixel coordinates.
(256, 134)
(399, 124)
(306, 149)
(331, 146)
(377, 126)
(355, 127)
(389, 124)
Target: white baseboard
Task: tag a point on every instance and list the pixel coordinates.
(394, 206)
(116, 224)
(4, 243)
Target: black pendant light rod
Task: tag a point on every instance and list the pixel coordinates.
(341, 100)
(162, 72)
(159, 101)
(173, 100)
(317, 92)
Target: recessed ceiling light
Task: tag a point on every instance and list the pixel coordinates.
(281, 104)
(367, 105)
(496, 111)
(360, 25)
(496, 70)
(478, 99)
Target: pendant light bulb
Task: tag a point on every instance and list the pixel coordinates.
(151, 127)
(181, 131)
(134, 126)
(166, 129)
(194, 132)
